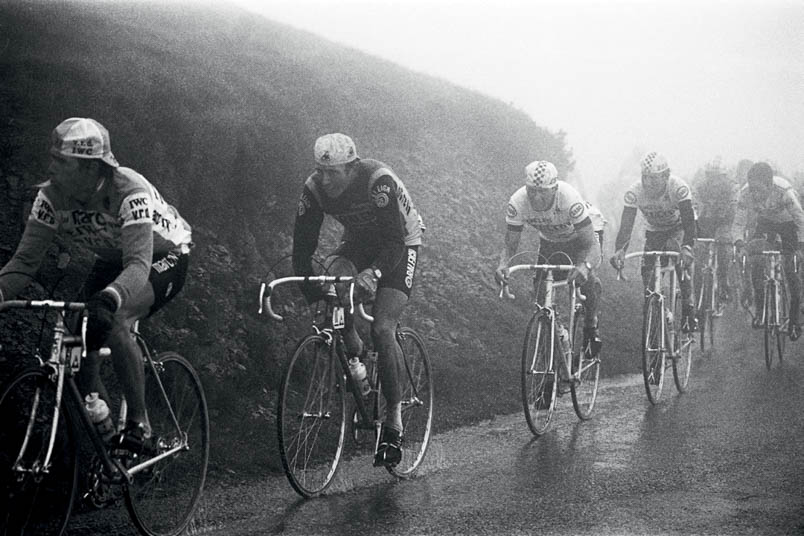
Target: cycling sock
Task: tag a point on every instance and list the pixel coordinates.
(393, 417)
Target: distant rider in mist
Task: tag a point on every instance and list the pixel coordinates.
(380, 246)
(563, 223)
(140, 242)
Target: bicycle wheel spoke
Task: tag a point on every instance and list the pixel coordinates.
(311, 420)
(417, 402)
(539, 382)
(162, 498)
(35, 499)
(585, 370)
(682, 359)
(653, 355)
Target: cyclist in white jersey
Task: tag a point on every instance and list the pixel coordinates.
(561, 217)
(778, 213)
(141, 246)
(666, 203)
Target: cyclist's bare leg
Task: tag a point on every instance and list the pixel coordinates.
(126, 355)
(388, 308)
(337, 265)
(592, 289)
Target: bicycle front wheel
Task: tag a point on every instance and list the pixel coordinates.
(706, 301)
(682, 348)
(770, 328)
(653, 348)
(783, 322)
(539, 380)
(162, 498)
(34, 498)
(585, 369)
(311, 424)
(417, 402)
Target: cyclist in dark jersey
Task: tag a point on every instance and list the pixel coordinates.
(141, 244)
(380, 245)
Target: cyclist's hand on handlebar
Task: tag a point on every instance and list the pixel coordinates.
(366, 284)
(501, 275)
(101, 307)
(579, 274)
(618, 260)
(687, 256)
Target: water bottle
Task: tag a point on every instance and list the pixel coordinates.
(358, 371)
(566, 351)
(100, 415)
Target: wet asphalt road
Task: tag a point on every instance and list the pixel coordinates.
(725, 458)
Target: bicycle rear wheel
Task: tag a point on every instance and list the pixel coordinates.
(539, 380)
(162, 498)
(311, 423)
(585, 369)
(34, 499)
(783, 320)
(653, 348)
(770, 328)
(417, 402)
(682, 348)
(703, 302)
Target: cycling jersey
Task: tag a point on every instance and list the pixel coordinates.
(598, 221)
(780, 206)
(559, 223)
(715, 198)
(126, 220)
(662, 213)
(375, 210)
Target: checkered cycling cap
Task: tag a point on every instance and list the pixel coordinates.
(334, 149)
(80, 137)
(654, 163)
(541, 174)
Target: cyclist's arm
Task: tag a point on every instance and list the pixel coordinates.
(626, 226)
(793, 206)
(739, 223)
(26, 260)
(391, 224)
(309, 218)
(586, 242)
(513, 234)
(687, 222)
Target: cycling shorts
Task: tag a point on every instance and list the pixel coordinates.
(401, 278)
(167, 276)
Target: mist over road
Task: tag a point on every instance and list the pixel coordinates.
(724, 458)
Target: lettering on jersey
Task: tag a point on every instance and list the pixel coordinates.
(136, 208)
(630, 198)
(304, 204)
(381, 200)
(164, 264)
(95, 219)
(411, 267)
(43, 212)
(404, 202)
(576, 210)
(511, 211)
(682, 192)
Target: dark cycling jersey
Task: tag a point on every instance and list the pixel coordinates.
(375, 210)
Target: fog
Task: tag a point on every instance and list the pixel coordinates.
(692, 80)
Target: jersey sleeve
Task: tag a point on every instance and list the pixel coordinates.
(385, 198)
(309, 217)
(681, 192)
(43, 211)
(793, 207)
(513, 215)
(630, 198)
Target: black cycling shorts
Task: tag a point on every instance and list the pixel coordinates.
(167, 276)
(401, 278)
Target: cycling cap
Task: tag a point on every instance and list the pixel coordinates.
(334, 149)
(541, 174)
(654, 163)
(760, 173)
(80, 137)
(715, 167)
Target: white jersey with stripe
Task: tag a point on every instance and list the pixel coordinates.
(557, 223)
(661, 213)
(598, 221)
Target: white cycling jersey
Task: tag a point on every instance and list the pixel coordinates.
(781, 205)
(661, 213)
(598, 221)
(557, 223)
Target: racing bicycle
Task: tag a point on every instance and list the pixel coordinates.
(555, 357)
(709, 304)
(312, 411)
(41, 410)
(775, 306)
(665, 342)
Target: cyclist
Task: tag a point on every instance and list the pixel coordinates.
(380, 244)
(665, 201)
(561, 217)
(140, 242)
(778, 213)
(716, 200)
(598, 224)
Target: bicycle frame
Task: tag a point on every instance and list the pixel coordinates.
(709, 269)
(66, 353)
(773, 279)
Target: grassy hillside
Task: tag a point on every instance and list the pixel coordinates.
(220, 109)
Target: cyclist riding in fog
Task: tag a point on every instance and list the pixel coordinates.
(778, 212)
(380, 244)
(561, 217)
(716, 200)
(666, 203)
(141, 246)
